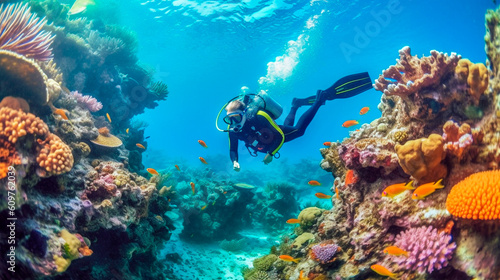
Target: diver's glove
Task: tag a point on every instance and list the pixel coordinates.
(236, 166)
(268, 158)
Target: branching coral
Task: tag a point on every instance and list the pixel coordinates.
(476, 197)
(21, 32)
(412, 74)
(428, 249)
(87, 101)
(369, 152)
(421, 158)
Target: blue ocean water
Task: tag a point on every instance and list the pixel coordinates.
(206, 51)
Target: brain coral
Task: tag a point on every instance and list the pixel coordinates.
(476, 197)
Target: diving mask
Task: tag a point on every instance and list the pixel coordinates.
(236, 120)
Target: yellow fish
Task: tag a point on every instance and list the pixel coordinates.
(426, 189)
(395, 189)
(127, 130)
(395, 251)
(382, 270)
(80, 6)
(107, 116)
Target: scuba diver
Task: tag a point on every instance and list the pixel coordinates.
(251, 120)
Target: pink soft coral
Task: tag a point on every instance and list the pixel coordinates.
(428, 249)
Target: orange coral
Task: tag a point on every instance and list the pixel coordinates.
(476, 76)
(85, 251)
(476, 197)
(54, 155)
(421, 158)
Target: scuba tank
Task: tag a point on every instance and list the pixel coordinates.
(263, 101)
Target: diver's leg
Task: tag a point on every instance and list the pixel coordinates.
(306, 118)
(290, 118)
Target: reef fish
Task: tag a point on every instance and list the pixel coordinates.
(350, 123)
(293, 221)
(152, 171)
(382, 270)
(176, 166)
(107, 116)
(203, 160)
(314, 183)
(288, 258)
(350, 177)
(140, 146)
(426, 189)
(80, 6)
(395, 189)
(337, 192)
(192, 186)
(202, 143)
(127, 130)
(364, 110)
(322, 195)
(61, 113)
(395, 251)
(204, 207)
(328, 144)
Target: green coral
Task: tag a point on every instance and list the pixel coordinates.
(259, 275)
(265, 263)
(400, 137)
(308, 216)
(302, 239)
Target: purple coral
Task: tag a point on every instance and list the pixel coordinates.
(21, 32)
(428, 249)
(324, 252)
(87, 101)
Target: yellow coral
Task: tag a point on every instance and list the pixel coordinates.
(308, 216)
(476, 197)
(421, 158)
(476, 76)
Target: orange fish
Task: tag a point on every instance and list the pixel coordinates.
(204, 207)
(224, 192)
(350, 178)
(426, 189)
(107, 116)
(449, 226)
(126, 130)
(140, 146)
(203, 160)
(364, 110)
(337, 192)
(322, 195)
(314, 183)
(61, 113)
(349, 123)
(395, 189)
(293, 221)
(288, 258)
(192, 186)
(328, 144)
(202, 143)
(152, 171)
(382, 270)
(176, 166)
(302, 277)
(395, 251)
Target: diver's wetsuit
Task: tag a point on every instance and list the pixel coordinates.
(261, 133)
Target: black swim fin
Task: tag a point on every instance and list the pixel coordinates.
(349, 86)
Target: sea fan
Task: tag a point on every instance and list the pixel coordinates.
(21, 32)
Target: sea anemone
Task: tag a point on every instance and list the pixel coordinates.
(21, 32)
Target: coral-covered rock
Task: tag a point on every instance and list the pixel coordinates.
(458, 139)
(54, 156)
(422, 158)
(325, 252)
